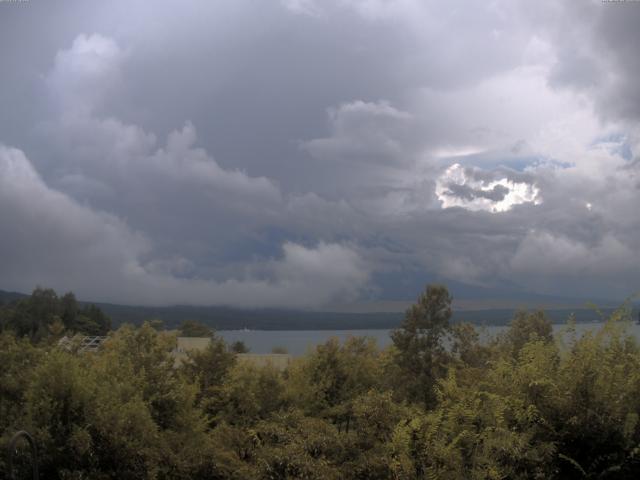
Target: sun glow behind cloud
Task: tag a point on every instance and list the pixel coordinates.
(456, 188)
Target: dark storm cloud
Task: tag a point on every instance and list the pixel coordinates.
(264, 153)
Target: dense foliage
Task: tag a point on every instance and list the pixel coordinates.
(439, 403)
(45, 314)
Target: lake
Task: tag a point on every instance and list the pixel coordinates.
(298, 342)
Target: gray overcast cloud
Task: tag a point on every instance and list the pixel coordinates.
(308, 153)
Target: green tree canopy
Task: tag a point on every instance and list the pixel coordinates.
(420, 353)
(43, 313)
(191, 328)
(239, 347)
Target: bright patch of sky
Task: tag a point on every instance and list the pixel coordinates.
(456, 188)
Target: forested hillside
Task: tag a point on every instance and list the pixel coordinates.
(437, 404)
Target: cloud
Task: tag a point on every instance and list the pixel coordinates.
(172, 190)
(465, 192)
(165, 190)
(59, 242)
(554, 261)
(304, 277)
(86, 73)
(228, 147)
(303, 7)
(55, 241)
(475, 190)
(595, 55)
(373, 132)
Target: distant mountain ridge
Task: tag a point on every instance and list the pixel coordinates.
(6, 297)
(228, 318)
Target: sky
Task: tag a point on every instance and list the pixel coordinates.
(307, 153)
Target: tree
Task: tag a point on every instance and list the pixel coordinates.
(209, 369)
(44, 304)
(92, 321)
(156, 324)
(252, 393)
(69, 307)
(56, 329)
(326, 383)
(123, 412)
(191, 328)
(419, 350)
(18, 359)
(34, 317)
(526, 327)
(295, 446)
(467, 347)
(520, 407)
(239, 347)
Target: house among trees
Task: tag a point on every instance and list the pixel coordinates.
(89, 343)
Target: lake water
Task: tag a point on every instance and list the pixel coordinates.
(298, 342)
